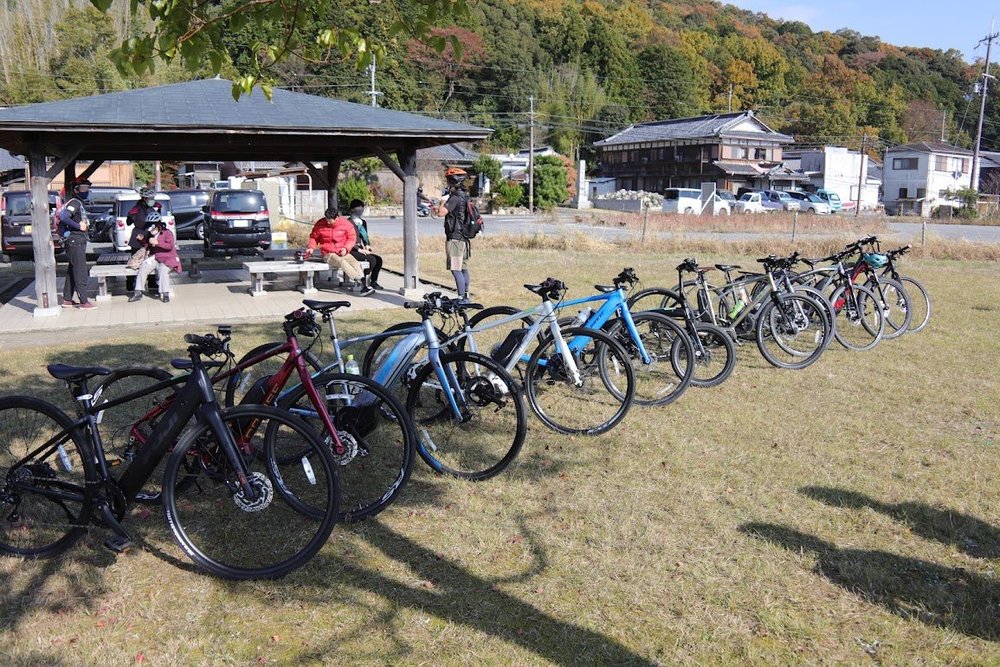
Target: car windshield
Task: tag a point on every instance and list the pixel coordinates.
(747, 196)
(239, 202)
(815, 199)
(125, 205)
(783, 196)
(18, 205)
(833, 196)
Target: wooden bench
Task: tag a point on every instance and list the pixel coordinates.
(305, 270)
(192, 256)
(104, 271)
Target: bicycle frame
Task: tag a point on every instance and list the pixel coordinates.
(615, 303)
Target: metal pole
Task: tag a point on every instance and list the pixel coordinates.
(531, 156)
(645, 217)
(795, 224)
(861, 173)
(923, 233)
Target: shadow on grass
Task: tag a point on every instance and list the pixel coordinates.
(911, 588)
(970, 535)
(453, 594)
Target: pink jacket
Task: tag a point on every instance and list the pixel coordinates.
(341, 235)
(165, 250)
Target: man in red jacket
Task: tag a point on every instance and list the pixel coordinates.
(335, 237)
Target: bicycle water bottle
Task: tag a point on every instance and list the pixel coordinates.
(737, 308)
(64, 459)
(582, 317)
(352, 366)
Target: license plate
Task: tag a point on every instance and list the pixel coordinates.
(26, 229)
(241, 223)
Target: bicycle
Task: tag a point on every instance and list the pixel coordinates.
(367, 428)
(230, 503)
(920, 298)
(714, 350)
(663, 357)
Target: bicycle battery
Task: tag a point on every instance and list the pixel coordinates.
(502, 352)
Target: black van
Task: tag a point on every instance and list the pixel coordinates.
(237, 222)
(189, 212)
(15, 223)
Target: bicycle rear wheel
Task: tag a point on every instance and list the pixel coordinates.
(605, 390)
(896, 306)
(45, 497)
(237, 537)
(485, 434)
(714, 354)
(672, 357)
(792, 331)
(860, 322)
(377, 432)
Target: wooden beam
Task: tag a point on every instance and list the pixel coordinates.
(94, 166)
(332, 178)
(408, 160)
(389, 162)
(46, 294)
(318, 175)
(60, 164)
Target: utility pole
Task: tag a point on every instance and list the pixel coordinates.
(531, 156)
(944, 121)
(982, 107)
(374, 93)
(861, 174)
(730, 98)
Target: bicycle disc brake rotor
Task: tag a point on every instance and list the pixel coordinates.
(265, 493)
(350, 448)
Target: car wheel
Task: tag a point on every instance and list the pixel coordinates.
(688, 211)
(199, 231)
(724, 211)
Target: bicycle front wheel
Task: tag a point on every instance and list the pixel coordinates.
(45, 489)
(469, 416)
(594, 400)
(714, 354)
(290, 515)
(671, 357)
(895, 302)
(792, 331)
(860, 322)
(920, 303)
(377, 433)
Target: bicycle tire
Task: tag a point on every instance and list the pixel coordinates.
(263, 538)
(238, 384)
(795, 322)
(598, 392)
(493, 423)
(896, 303)
(861, 324)
(378, 433)
(669, 374)
(715, 356)
(33, 523)
(125, 427)
(920, 303)
(655, 298)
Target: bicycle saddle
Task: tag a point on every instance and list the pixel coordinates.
(76, 373)
(183, 364)
(812, 261)
(727, 267)
(605, 289)
(325, 306)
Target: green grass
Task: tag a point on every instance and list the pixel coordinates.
(847, 513)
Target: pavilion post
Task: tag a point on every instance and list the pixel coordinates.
(332, 177)
(46, 292)
(408, 162)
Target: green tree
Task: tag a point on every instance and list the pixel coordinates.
(488, 166)
(671, 89)
(550, 182)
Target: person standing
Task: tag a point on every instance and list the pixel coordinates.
(73, 225)
(363, 247)
(335, 237)
(162, 258)
(458, 248)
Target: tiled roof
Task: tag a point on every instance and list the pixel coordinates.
(8, 161)
(930, 147)
(447, 153)
(738, 168)
(702, 127)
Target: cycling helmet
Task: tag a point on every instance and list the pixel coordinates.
(147, 193)
(80, 182)
(153, 217)
(876, 260)
(455, 175)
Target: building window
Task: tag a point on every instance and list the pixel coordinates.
(740, 152)
(904, 163)
(760, 153)
(951, 164)
(902, 193)
(921, 193)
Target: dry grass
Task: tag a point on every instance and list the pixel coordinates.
(843, 514)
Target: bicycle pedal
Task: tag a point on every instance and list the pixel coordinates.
(118, 544)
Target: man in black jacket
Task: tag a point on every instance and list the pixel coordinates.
(458, 248)
(73, 228)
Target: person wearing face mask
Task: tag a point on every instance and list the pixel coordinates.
(162, 258)
(137, 217)
(362, 250)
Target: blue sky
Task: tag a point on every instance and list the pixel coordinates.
(940, 24)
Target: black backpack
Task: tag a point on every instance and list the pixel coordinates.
(473, 223)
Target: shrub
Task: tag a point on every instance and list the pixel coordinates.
(508, 194)
(550, 181)
(353, 187)
(488, 166)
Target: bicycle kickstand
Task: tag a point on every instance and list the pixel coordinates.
(121, 541)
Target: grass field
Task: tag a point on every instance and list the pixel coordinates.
(847, 513)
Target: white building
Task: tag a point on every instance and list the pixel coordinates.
(515, 165)
(838, 169)
(918, 176)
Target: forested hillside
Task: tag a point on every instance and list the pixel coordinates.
(592, 67)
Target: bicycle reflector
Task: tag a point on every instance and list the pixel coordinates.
(876, 260)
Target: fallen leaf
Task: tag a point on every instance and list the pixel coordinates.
(139, 657)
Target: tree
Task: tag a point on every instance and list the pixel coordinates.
(194, 32)
(488, 166)
(550, 181)
(671, 89)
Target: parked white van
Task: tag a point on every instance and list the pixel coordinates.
(688, 201)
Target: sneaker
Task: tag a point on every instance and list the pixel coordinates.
(87, 305)
(136, 296)
(166, 297)
(362, 288)
(68, 304)
(377, 286)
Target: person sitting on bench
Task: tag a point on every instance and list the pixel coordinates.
(335, 237)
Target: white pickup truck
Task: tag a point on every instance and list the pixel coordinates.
(751, 202)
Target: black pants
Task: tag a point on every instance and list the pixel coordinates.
(374, 263)
(78, 274)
